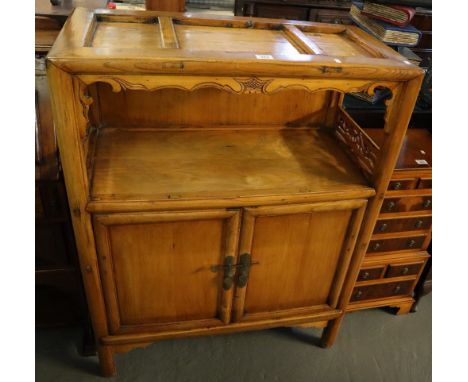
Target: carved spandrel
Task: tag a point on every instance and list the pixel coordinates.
(85, 101)
(361, 146)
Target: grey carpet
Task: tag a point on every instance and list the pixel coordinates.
(372, 346)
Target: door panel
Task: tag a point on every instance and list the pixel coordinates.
(299, 255)
(157, 268)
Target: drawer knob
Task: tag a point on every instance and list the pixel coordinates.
(427, 203)
(383, 227)
(365, 275)
(397, 186)
(358, 294)
(419, 224)
(391, 205)
(411, 243)
(376, 246)
(405, 270)
(397, 289)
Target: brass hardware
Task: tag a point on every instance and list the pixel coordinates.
(383, 227)
(229, 272)
(419, 224)
(411, 243)
(365, 275)
(405, 270)
(229, 267)
(397, 186)
(244, 269)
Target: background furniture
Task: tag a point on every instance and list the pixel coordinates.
(192, 223)
(397, 252)
(166, 5)
(59, 292)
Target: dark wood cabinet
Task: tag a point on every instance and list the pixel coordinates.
(402, 232)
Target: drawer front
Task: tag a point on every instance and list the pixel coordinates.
(370, 292)
(404, 224)
(370, 274)
(283, 12)
(398, 270)
(425, 183)
(399, 244)
(403, 184)
(406, 204)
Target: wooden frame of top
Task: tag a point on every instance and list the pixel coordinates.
(292, 48)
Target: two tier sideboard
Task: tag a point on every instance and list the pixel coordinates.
(216, 183)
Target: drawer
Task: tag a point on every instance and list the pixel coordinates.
(425, 183)
(403, 184)
(403, 224)
(397, 270)
(406, 204)
(283, 12)
(396, 244)
(370, 292)
(370, 273)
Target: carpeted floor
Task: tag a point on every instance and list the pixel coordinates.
(372, 346)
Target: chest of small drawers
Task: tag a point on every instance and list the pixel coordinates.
(397, 252)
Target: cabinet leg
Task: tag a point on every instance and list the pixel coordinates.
(330, 332)
(404, 308)
(106, 361)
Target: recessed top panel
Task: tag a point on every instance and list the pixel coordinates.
(337, 45)
(260, 41)
(126, 35)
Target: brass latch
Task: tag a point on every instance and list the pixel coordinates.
(229, 267)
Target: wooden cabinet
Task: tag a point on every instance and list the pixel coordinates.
(214, 179)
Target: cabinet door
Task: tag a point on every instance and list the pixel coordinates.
(299, 256)
(165, 270)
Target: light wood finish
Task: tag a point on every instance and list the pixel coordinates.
(198, 59)
(285, 243)
(167, 108)
(173, 155)
(156, 270)
(200, 164)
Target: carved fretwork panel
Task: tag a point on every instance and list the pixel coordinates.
(238, 85)
(363, 149)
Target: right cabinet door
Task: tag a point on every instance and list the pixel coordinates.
(294, 258)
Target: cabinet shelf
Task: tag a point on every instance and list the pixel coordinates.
(162, 164)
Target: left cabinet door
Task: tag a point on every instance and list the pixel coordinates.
(163, 271)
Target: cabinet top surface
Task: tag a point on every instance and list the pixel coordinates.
(144, 42)
(416, 150)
